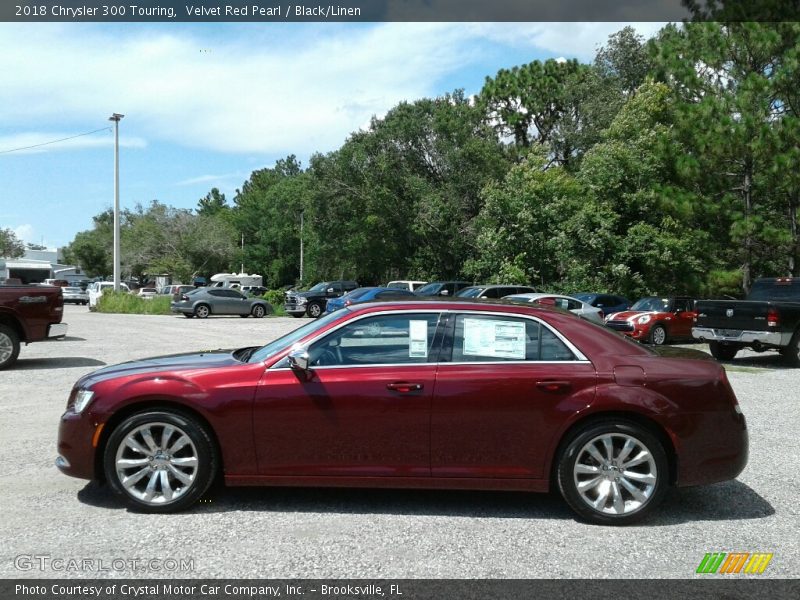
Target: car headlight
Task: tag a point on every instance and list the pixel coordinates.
(82, 400)
(302, 300)
(643, 319)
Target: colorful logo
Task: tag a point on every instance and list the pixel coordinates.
(734, 562)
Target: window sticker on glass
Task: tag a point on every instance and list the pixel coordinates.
(497, 339)
(418, 339)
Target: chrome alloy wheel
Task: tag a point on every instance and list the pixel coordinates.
(6, 347)
(615, 474)
(659, 335)
(156, 463)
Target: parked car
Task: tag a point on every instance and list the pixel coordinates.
(769, 319)
(406, 285)
(28, 313)
(176, 290)
(199, 282)
(607, 303)
(254, 290)
(656, 320)
(97, 289)
(367, 294)
(447, 394)
(147, 293)
(493, 292)
(314, 301)
(75, 295)
(441, 288)
(582, 309)
(207, 301)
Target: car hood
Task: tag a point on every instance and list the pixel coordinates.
(175, 362)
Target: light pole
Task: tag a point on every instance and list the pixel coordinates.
(116, 118)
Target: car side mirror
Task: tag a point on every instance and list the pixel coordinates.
(299, 360)
(444, 293)
(330, 290)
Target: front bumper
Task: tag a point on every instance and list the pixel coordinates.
(56, 330)
(295, 309)
(75, 451)
(764, 338)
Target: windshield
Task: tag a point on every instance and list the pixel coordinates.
(651, 304)
(774, 290)
(584, 297)
(397, 284)
(320, 287)
(429, 289)
(276, 346)
(470, 292)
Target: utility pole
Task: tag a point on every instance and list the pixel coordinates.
(301, 247)
(116, 118)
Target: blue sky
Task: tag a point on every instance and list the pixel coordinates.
(207, 104)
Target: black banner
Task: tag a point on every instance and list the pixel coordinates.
(732, 588)
(396, 10)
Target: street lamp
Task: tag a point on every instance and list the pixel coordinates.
(301, 247)
(116, 118)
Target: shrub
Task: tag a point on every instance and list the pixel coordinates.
(122, 302)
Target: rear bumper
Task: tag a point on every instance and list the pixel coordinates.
(765, 338)
(718, 451)
(56, 330)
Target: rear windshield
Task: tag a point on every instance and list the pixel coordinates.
(774, 290)
(431, 288)
(470, 292)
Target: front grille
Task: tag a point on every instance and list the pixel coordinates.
(620, 325)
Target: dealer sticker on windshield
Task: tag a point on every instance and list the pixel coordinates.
(496, 339)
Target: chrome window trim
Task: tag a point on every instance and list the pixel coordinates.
(580, 357)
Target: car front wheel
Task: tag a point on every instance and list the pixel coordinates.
(258, 311)
(658, 335)
(314, 310)
(160, 461)
(613, 473)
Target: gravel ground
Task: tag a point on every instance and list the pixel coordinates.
(328, 533)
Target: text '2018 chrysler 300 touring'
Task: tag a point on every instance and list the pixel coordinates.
(416, 394)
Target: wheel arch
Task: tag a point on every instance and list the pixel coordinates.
(615, 415)
(144, 405)
(9, 320)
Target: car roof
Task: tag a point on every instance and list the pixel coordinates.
(537, 295)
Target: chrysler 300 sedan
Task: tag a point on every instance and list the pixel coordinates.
(417, 394)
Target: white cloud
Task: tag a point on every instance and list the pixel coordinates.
(242, 91)
(211, 179)
(24, 233)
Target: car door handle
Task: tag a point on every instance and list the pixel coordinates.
(403, 387)
(554, 387)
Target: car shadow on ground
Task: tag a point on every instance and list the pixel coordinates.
(72, 338)
(56, 362)
(728, 501)
(768, 360)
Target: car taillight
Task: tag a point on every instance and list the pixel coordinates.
(772, 317)
(184, 297)
(348, 302)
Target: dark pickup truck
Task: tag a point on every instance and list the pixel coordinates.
(28, 313)
(769, 319)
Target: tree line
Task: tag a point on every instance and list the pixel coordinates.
(663, 166)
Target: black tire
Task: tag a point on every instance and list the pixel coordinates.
(201, 446)
(314, 310)
(9, 346)
(188, 315)
(722, 351)
(619, 431)
(244, 316)
(791, 354)
(298, 316)
(258, 311)
(201, 311)
(658, 335)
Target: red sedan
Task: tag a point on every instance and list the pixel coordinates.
(420, 394)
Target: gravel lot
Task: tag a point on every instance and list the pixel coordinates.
(326, 533)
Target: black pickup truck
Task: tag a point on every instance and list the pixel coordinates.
(768, 319)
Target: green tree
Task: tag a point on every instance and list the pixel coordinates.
(93, 249)
(10, 245)
(213, 203)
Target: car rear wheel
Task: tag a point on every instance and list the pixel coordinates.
(9, 346)
(722, 351)
(791, 353)
(201, 311)
(613, 473)
(258, 311)
(658, 335)
(160, 461)
(314, 310)
(188, 315)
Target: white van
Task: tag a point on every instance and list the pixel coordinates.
(97, 288)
